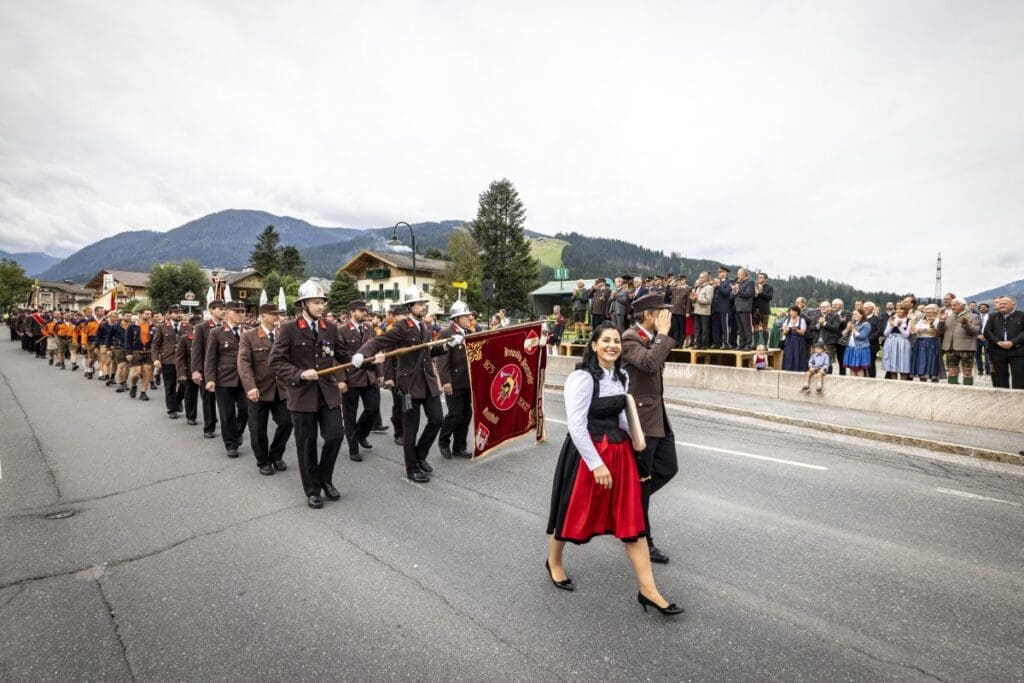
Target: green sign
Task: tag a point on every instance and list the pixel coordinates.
(561, 273)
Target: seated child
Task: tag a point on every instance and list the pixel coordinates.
(818, 366)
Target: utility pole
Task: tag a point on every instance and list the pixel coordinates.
(938, 278)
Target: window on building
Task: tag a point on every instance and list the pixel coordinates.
(426, 287)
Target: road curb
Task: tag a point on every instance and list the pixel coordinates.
(859, 432)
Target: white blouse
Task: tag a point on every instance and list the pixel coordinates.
(579, 389)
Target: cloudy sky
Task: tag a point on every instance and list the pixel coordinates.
(849, 140)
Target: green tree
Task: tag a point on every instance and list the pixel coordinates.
(343, 290)
(434, 252)
(266, 254)
(14, 285)
(498, 229)
(464, 265)
(168, 283)
(291, 262)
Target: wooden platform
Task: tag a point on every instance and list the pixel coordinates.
(737, 359)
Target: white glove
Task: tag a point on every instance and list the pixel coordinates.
(456, 340)
(357, 360)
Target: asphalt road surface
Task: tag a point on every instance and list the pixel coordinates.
(798, 556)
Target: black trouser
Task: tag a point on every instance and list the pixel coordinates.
(456, 421)
(744, 328)
(678, 329)
(841, 358)
(620, 321)
(396, 412)
(173, 394)
(719, 329)
(659, 462)
(596, 319)
(209, 410)
(234, 412)
(417, 450)
(702, 331)
(357, 430)
(873, 346)
(315, 473)
(259, 414)
(190, 396)
(1003, 366)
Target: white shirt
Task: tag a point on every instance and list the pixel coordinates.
(579, 389)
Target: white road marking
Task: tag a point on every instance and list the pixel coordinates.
(729, 452)
(975, 496)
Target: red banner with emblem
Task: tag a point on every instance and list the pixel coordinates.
(506, 376)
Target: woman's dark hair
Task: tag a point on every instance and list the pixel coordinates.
(589, 361)
(796, 308)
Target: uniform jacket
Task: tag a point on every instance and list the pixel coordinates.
(183, 352)
(599, 301)
(165, 339)
(197, 355)
(723, 297)
(254, 366)
(620, 301)
(1012, 327)
(681, 304)
(351, 337)
(137, 341)
(414, 371)
(452, 367)
(643, 359)
(744, 299)
(220, 362)
(957, 336)
(297, 349)
(117, 336)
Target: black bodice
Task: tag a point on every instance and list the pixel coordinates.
(603, 417)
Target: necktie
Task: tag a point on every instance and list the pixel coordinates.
(235, 330)
(271, 338)
(175, 328)
(316, 328)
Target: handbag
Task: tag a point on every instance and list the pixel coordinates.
(636, 430)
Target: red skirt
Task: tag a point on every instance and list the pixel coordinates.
(690, 326)
(582, 509)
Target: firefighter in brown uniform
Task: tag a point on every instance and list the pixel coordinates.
(198, 362)
(645, 347)
(267, 395)
(453, 371)
(165, 342)
(362, 382)
(182, 364)
(416, 380)
(600, 301)
(220, 372)
(682, 309)
(304, 346)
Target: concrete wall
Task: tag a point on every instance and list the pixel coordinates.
(951, 404)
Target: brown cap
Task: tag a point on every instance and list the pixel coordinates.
(216, 303)
(174, 308)
(235, 306)
(650, 301)
(269, 308)
(356, 304)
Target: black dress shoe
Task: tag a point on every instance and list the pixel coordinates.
(266, 469)
(566, 585)
(418, 476)
(232, 452)
(354, 455)
(208, 435)
(425, 466)
(399, 440)
(192, 422)
(462, 454)
(363, 443)
(315, 502)
(446, 452)
(331, 492)
(280, 466)
(121, 390)
(134, 392)
(172, 416)
(380, 430)
(657, 556)
(143, 397)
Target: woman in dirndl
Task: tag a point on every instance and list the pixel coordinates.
(596, 489)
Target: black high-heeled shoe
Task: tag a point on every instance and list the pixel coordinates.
(566, 585)
(670, 611)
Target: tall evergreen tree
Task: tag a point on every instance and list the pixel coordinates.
(464, 265)
(291, 262)
(266, 254)
(14, 284)
(343, 290)
(498, 229)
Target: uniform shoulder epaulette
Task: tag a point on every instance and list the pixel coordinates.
(409, 323)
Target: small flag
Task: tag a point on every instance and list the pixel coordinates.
(209, 295)
(282, 305)
(263, 296)
(227, 293)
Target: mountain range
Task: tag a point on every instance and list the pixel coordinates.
(34, 262)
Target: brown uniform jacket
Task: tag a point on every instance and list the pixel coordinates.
(681, 304)
(414, 371)
(183, 352)
(351, 337)
(599, 301)
(643, 359)
(197, 354)
(220, 365)
(254, 366)
(164, 342)
(452, 367)
(298, 349)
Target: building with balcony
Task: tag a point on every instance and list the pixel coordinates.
(382, 276)
(59, 296)
(112, 286)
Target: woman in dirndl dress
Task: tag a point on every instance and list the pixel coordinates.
(596, 487)
(896, 351)
(925, 359)
(794, 346)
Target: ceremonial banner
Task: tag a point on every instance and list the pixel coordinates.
(505, 373)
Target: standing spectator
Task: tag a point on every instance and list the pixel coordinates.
(925, 358)
(825, 329)
(682, 312)
(1005, 335)
(959, 336)
(794, 346)
(556, 328)
(844, 320)
(775, 336)
(877, 323)
(743, 303)
(896, 352)
(619, 303)
(599, 302)
(981, 356)
(721, 309)
(763, 293)
(857, 356)
(703, 294)
(580, 295)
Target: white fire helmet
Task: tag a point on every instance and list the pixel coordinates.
(310, 290)
(458, 308)
(413, 295)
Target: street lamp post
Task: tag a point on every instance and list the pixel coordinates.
(393, 242)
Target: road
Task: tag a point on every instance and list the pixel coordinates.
(798, 555)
